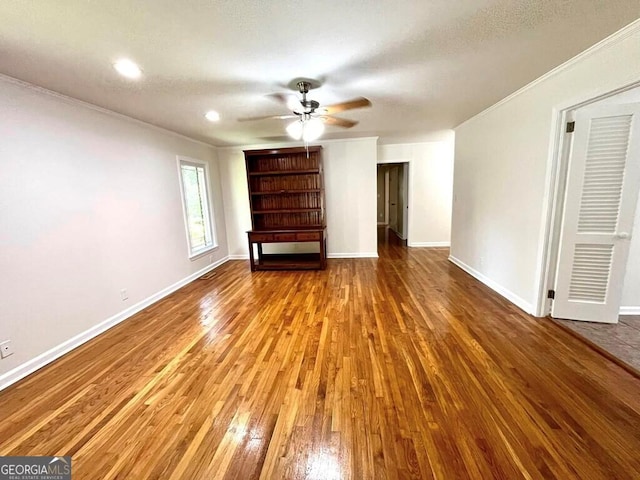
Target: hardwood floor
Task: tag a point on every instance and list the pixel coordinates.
(401, 367)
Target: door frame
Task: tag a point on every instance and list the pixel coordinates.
(393, 195)
(409, 181)
(386, 197)
(555, 189)
(405, 201)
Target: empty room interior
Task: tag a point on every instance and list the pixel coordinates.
(320, 240)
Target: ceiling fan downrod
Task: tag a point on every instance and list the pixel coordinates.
(309, 105)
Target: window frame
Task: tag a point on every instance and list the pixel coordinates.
(193, 253)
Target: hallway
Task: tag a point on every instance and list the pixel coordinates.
(389, 244)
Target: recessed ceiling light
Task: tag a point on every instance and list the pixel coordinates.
(127, 68)
(212, 116)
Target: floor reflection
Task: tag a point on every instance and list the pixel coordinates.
(323, 466)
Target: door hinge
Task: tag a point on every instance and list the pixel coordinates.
(571, 126)
(551, 294)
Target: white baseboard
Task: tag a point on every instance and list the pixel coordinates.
(429, 244)
(629, 310)
(506, 293)
(49, 356)
(353, 255)
(243, 256)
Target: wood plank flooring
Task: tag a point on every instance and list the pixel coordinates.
(400, 367)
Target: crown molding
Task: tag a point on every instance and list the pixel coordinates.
(607, 42)
(96, 108)
(261, 146)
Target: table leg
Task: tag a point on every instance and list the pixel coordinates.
(251, 262)
(323, 253)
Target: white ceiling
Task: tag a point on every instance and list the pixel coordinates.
(426, 65)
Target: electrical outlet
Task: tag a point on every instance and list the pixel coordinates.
(124, 295)
(6, 349)
(210, 258)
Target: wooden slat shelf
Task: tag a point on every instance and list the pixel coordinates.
(298, 261)
(287, 192)
(285, 172)
(289, 210)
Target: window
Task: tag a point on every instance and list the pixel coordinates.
(195, 199)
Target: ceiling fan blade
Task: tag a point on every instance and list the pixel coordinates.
(290, 100)
(279, 97)
(265, 117)
(339, 122)
(360, 102)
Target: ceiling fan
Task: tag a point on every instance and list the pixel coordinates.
(311, 117)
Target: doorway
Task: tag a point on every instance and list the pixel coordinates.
(393, 198)
(592, 245)
(593, 263)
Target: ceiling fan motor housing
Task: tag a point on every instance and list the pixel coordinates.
(311, 104)
(308, 106)
(303, 87)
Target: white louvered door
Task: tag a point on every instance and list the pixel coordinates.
(602, 191)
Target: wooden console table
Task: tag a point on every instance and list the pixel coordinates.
(287, 261)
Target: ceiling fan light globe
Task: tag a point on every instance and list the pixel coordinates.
(313, 129)
(295, 129)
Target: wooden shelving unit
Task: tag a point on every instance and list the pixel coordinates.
(284, 172)
(286, 196)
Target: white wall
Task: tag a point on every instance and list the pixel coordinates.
(430, 188)
(502, 163)
(350, 190)
(233, 177)
(90, 204)
(350, 187)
